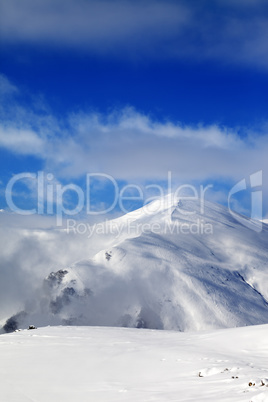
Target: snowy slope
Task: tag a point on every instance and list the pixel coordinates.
(169, 265)
(98, 364)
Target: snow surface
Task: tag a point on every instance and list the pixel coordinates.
(102, 364)
(145, 271)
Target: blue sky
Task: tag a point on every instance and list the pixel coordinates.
(133, 90)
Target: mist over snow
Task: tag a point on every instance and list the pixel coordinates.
(165, 266)
(133, 200)
(30, 249)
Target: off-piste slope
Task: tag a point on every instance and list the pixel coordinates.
(180, 265)
(100, 364)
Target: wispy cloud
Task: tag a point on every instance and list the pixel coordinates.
(230, 31)
(6, 88)
(29, 254)
(21, 141)
(100, 26)
(133, 147)
(128, 144)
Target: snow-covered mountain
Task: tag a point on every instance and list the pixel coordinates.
(172, 264)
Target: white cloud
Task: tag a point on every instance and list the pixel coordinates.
(230, 31)
(31, 248)
(132, 146)
(29, 254)
(21, 141)
(128, 144)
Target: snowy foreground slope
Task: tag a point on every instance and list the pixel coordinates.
(100, 364)
(170, 265)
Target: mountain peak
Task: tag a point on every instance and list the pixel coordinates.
(163, 269)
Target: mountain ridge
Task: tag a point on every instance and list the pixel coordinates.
(167, 273)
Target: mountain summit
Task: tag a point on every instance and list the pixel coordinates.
(177, 265)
